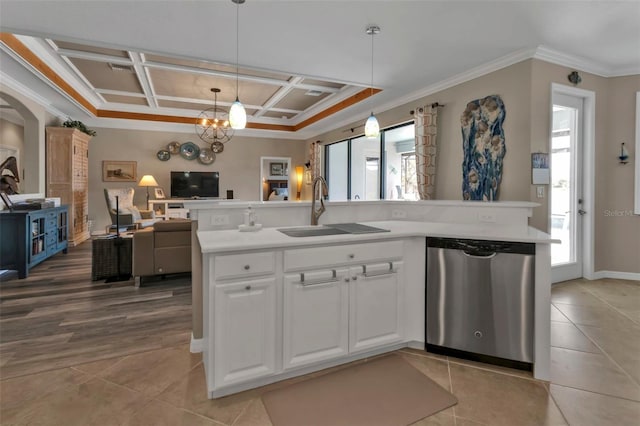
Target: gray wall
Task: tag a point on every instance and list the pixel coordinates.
(239, 164)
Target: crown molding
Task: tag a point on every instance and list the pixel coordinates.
(30, 94)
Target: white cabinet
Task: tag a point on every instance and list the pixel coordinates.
(244, 330)
(167, 209)
(375, 305)
(316, 315)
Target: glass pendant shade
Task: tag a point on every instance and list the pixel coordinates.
(237, 115)
(371, 127)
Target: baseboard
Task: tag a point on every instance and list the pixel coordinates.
(616, 275)
(196, 346)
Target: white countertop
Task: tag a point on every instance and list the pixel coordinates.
(270, 238)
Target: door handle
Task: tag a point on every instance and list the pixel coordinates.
(581, 212)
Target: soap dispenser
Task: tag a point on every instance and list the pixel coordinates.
(249, 217)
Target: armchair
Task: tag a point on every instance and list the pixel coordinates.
(127, 214)
(164, 248)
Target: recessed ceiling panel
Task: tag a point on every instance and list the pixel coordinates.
(217, 67)
(185, 105)
(196, 86)
(276, 114)
(133, 100)
(323, 83)
(297, 99)
(91, 49)
(101, 76)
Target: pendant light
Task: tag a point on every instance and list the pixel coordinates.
(371, 126)
(237, 113)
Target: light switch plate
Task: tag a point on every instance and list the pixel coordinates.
(540, 191)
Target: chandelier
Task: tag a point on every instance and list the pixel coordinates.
(212, 125)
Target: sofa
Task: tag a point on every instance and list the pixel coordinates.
(164, 248)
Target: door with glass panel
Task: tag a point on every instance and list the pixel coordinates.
(566, 192)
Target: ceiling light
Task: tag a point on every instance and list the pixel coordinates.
(313, 92)
(371, 126)
(213, 124)
(237, 113)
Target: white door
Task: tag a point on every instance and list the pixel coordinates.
(566, 191)
(316, 317)
(245, 330)
(375, 305)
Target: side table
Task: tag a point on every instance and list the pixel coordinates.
(111, 258)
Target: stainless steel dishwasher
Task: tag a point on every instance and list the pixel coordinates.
(479, 300)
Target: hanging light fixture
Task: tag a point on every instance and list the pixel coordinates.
(237, 113)
(371, 126)
(213, 125)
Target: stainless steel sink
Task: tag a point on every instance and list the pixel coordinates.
(311, 231)
(331, 229)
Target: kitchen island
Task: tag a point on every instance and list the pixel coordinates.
(276, 306)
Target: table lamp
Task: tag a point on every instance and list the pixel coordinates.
(148, 180)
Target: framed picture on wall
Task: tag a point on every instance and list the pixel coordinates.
(276, 169)
(159, 194)
(119, 171)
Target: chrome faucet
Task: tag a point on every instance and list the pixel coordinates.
(318, 193)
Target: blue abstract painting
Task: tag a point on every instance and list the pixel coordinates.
(483, 147)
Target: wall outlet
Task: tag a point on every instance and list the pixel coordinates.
(398, 214)
(487, 217)
(220, 219)
(540, 191)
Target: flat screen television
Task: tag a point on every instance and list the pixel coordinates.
(194, 184)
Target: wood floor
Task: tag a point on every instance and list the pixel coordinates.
(58, 317)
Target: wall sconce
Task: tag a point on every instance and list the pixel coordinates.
(624, 154)
(299, 177)
(308, 176)
(574, 78)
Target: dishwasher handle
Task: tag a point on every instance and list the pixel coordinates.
(479, 254)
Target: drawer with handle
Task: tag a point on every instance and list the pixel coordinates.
(244, 265)
(316, 257)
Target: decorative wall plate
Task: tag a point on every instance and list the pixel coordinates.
(217, 147)
(206, 156)
(163, 155)
(189, 151)
(174, 147)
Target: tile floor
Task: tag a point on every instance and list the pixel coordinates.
(595, 355)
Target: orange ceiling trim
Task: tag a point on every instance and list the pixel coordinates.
(23, 51)
(103, 113)
(351, 100)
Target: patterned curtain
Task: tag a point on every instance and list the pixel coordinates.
(426, 150)
(315, 159)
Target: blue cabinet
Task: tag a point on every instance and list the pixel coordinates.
(28, 237)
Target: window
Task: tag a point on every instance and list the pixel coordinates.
(371, 169)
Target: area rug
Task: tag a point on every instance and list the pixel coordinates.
(387, 391)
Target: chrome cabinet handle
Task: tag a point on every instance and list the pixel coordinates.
(247, 267)
(354, 278)
(248, 287)
(306, 283)
(377, 274)
(351, 256)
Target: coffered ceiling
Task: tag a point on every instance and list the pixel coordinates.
(305, 65)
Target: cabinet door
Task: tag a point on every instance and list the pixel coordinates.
(245, 330)
(375, 305)
(316, 315)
